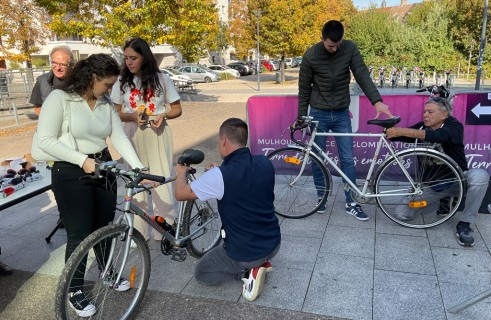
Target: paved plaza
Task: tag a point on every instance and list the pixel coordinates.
(330, 266)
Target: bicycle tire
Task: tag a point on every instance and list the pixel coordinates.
(301, 199)
(100, 292)
(196, 213)
(437, 175)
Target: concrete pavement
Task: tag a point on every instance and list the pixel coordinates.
(329, 266)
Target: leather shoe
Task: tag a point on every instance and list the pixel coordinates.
(5, 270)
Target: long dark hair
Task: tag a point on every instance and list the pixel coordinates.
(149, 69)
(79, 79)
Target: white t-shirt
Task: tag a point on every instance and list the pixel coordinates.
(209, 185)
(132, 99)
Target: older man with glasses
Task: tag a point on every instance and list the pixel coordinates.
(440, 127)
(61, 60)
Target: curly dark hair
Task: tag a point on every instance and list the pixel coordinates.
(149, 69)
(79, 79)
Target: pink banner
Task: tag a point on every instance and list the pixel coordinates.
(270, 116)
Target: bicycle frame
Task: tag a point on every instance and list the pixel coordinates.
(127, 216)
(312, 147)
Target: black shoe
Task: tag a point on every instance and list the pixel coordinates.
(5, 270)
(464, 234)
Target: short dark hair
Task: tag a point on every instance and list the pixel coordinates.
(333, 30)
(80, 79)
(235, 130)
(149, 69)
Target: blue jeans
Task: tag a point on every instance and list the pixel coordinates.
(337, 121)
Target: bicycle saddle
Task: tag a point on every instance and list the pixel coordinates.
(191, 156)
(385, 123)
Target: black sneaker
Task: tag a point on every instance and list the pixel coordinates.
(355, 210)
(444, 207)
(81, 305)
(464, 234)
(322, 208)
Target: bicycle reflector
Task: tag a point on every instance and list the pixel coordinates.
(132, 276)
(292, 160)
(417, 204)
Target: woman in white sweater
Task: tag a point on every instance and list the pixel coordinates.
(84, 111)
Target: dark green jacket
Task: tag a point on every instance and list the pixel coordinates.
(325, 77)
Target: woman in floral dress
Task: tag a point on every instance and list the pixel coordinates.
(141, 95)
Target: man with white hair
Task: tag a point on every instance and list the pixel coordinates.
(61, 60)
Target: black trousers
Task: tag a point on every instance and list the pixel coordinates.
(85, 205)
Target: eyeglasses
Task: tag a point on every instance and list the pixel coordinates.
(61, 65)
(441, 102)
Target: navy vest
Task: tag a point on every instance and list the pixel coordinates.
(246, 209)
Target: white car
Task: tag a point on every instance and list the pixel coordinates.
(199, 74)
(179, 79)
(225, 69)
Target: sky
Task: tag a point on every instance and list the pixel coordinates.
(390, 3)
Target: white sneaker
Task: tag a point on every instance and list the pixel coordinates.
(82, 306)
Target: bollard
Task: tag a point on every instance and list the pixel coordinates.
(278, 77)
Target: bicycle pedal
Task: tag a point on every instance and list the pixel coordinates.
(178, 254)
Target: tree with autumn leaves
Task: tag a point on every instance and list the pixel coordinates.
(23, 27)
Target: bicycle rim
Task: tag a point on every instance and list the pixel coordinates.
(196, 214)
(440, 181)
(296, 195)
(91, 256)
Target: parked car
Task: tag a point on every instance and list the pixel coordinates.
(243, 70)
(225, 69)
(268, 65)
(291, 63)
(276, 64)
(199, 74)
(248, 65)
(179, 79)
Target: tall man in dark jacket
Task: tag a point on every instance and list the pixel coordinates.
(324, 85)
(438, 126)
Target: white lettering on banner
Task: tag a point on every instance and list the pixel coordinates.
(473, 163)
(282, 142)
(477, 147)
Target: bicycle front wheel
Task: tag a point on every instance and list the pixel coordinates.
(437, 176)
(83, 276)
(196, 214)
(299, 190)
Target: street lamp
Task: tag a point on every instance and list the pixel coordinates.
(257, 13)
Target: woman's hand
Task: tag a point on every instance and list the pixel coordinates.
(89, 165)
(141, 118)
(159, 119)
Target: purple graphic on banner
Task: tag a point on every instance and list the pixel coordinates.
(270, 117)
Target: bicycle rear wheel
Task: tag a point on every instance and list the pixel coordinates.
(296, 193)
(438, 177)
(196, 214)
(82, 272)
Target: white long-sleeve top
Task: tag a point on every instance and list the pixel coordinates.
(90, 128)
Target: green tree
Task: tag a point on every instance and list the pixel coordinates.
(241, 32)
(23, 29)
(189, 25)
(196, 29)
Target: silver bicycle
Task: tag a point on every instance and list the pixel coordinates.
(408, 185)
(119, 250)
